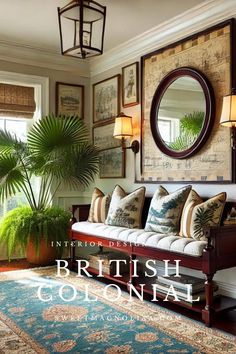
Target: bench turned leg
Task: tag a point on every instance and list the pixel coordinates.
(208, 311)
(72, 257)
(131, 271)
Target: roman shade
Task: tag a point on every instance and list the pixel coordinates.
(17, 101)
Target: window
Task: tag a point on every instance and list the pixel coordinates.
(19, 127)
(169, 129)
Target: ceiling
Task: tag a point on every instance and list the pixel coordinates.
(34, 23)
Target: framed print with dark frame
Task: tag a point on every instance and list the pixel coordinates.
(69, 99)
(130, 85)
(112, 163)
(103, 136)
(106, 99)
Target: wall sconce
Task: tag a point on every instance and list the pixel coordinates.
(123, 129)
(228, 116)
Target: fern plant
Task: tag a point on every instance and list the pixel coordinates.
(19, 223)
(58, 151)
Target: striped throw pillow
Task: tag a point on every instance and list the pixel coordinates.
(185, 224)
(99, 206)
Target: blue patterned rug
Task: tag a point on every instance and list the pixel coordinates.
(28, 325)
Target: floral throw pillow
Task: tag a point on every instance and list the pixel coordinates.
(99, 206)
(165, 210)
(126, 209)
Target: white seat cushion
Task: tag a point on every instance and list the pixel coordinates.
(152, 239)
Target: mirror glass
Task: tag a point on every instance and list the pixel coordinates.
(181, 113)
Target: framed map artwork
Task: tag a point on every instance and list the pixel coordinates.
(212, 53)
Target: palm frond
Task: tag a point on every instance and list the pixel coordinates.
(8, 142)
(86, 164)
(11, 177)
(75, 167)
(51, 135)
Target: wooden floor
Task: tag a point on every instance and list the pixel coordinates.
(225, 322)
(17, 264)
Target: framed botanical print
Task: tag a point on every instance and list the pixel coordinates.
(106, 99)
(69, 99)
(103, 136)
(112, 163)
(130, 85)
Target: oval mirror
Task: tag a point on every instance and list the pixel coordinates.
(182, 113)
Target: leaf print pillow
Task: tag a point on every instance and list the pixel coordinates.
(205, 214)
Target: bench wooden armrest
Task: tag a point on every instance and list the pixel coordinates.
(81, 210)
(222, 241)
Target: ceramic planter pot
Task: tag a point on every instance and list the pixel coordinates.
(46, 254)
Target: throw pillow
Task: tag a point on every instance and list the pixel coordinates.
(165, 210)
(208, 213)
(186, 218)
(99, 206)
(126, 209)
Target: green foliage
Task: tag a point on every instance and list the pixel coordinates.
(58, 150)
(192, 123)
(204, 217)
(190, 127)
(23, 223)
(183, 142)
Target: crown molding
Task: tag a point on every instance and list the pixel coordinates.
(23, 54)
(192, 21)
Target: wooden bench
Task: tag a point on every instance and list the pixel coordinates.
(219, 253)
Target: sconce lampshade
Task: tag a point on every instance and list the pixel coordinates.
(82, 27)
(228, 114)
(123, 126)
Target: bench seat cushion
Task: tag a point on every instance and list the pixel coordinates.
(152, 239)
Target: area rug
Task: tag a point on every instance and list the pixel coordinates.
(28, 325)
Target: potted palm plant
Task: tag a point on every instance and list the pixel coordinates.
(57, 151)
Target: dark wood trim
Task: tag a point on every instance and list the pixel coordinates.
(118, 76)
(58, 83)
(209, 113)
(191, 37)
(185, 181)
(232, 23)
(137, 85)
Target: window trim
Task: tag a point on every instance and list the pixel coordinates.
(40, 83)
